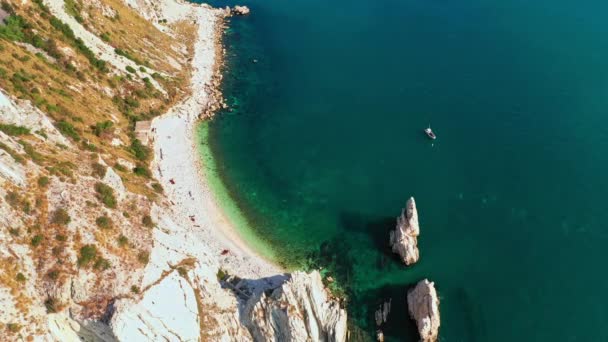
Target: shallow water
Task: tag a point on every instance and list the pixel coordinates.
(323, 146)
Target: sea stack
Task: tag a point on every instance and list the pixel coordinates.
(423, 306)
(404, 239)
(240, 10)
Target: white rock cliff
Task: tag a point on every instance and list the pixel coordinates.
(299, 310)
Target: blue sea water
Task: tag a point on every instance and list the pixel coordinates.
(323, 145)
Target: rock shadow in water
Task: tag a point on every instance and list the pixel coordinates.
(399, 326)
(378, 230)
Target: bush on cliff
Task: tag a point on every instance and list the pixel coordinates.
(106, 195)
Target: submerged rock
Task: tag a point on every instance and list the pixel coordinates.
(379, 336)
(300, 310)
(240, 10)
(381, 314)
(423, 306)
(404, 239)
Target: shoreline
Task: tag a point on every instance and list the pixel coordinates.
(179, 167)
(225, 202)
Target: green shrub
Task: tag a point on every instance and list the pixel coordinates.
(37, 240)
(20, 277)
(99, 170)
(62, 168)
(221, 274)
(41, 5)
(27, 207)
(51, 305)
(135, 289)
(105, 36)
(101, 264)
(139, 150)
(147, 221)
(128, 55)
(14, 130)
(8, 8)
(131, 102)
(142, 170)
(130, 69)
(53, 275)
(123, 241)
(120, 167)
(87, 254)
(13, 327)
(143, 257)
(157, 187)
(31, 152)
(71, 8)
(42, 133)
(13, 28)
(61, 216)
(67, 129)
(104, 128)
(43, 181)
(13, 199)
(104, 222)
(106, 195)
(89, 146)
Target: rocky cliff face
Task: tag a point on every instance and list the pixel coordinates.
(423, 306)
(404, 239)
(92, 246)
(299, 310)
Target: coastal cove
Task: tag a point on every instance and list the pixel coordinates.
(322, 144)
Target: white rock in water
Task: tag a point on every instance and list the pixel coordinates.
(240, 10)
(423, 306)
(299, 310)
(404, 239)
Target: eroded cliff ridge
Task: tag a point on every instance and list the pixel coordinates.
(299, 310)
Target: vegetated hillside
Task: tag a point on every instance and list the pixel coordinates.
(75, 187)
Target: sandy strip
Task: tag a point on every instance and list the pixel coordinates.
(179, 168)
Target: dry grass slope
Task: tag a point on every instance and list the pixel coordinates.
(96, 108)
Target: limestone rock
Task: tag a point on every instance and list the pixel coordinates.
(167, 312)
(113, 180)
(404, 239)
(299, 310)
(423, 306)
(240, 10)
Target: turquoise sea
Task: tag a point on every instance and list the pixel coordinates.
(323, 145)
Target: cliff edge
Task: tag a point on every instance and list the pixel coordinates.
(299, 310)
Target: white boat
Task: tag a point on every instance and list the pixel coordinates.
(429, 133)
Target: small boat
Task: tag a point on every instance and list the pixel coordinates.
(429, 133)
